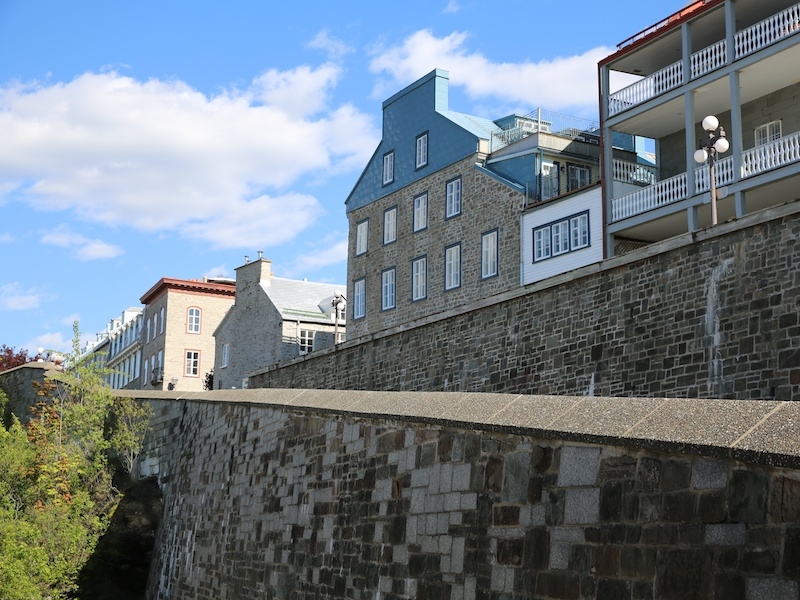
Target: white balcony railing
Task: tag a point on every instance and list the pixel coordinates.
(629, 172)
(770, 156)
(767, 31)
(659, 194)
(747, 41)
(723, 175)
(760, 159)
(651, 86)
(709, 59)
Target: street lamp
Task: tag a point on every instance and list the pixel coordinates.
(338, 303)
(716, 143)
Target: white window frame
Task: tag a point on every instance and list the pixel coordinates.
(767, 133)
(421, 212)
(489, 252)
(421, 150)
(388, 289)
(541, 243)
(305, 341)
(162, 319)
(148, 330)
(453, 198)
(578, 176)
(388, 168)
(192, 364)
(193, 319)
(226, 352)
(579, 231)
(359, 298)
(562, 236)
(362, 237)
(452, 267)
(390, 225)
(419, 278)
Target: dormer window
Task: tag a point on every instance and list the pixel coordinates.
(422, 150)
(388, 168)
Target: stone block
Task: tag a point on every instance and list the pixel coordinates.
(726, 534)
(747, 497)
(516, 469)
(708, 474)
(578, 466)
(771, 589)
(581, 505)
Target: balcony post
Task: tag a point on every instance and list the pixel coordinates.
(686, 52)
(730, 31)
(736, 141)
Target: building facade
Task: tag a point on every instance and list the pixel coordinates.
(180, 317)
(274, 319)
(124, 350)
(731, 59)
(434, 219)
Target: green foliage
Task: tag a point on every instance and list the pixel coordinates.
(56, 491)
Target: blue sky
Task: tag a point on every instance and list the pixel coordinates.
(147, 139)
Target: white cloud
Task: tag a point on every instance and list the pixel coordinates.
(13, 297)
(6, 238)
(452, 7)
(333, 46)
(218, 271)
(85, 249)
(567, 83)
(318, 259)
(50, 341)
(161, 156)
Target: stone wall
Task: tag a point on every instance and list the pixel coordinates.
(708, 314)
(18, 384)
(486, 205)
(325, 494)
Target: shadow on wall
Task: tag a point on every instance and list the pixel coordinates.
(120, 565)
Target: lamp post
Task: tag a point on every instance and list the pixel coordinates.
(338, 303)
(716, 143)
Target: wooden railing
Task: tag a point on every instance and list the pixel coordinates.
(711, 58)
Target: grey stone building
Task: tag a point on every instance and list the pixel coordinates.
(434, 218)
(273, 319)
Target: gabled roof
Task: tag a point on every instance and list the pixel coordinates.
(307, 301)
(419, 108)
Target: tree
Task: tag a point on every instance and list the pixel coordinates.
(56, 478)
(10, 358)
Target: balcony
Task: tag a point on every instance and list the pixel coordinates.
(755, 161)
(747, 41)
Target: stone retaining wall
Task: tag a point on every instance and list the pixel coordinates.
(710, 314)
(304, 494)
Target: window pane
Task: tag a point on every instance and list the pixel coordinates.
(388, 289)
(541, 243)
(359, 299)
(420, 212)
(193, 320)
(579, 227)
(192, 363)
(453, 198)
(560, 237)
(489, 254)
(419, 279)
(422, 150)
(306, 341)
(452, 267)
(362, 233)
(388, 168)
(390, 226)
